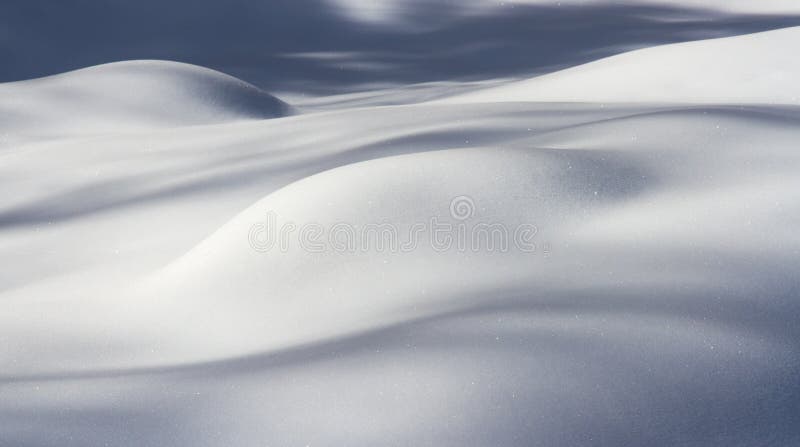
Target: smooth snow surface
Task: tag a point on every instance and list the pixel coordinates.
(724, 71)
(659, 306)
(133, 95)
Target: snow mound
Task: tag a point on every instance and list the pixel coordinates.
(360, 253)
(752, 69)
(129, 96)
(661, 293)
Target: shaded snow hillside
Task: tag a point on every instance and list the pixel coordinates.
(136, 306)
(756, 68)
(653, 302)
(126, 96)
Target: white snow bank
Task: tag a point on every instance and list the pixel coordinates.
(659, 308)
(755, 68)
(666, 299)
(132, 95)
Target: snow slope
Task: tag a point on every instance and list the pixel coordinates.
(133, 95)
(751, 69)
(658, 306)
(669, 267)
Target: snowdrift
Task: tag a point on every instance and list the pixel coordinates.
(128, 96)
(751, 69)
(658, 304)
(663, 293)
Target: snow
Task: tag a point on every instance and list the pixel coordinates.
(719, 71)
(130, 96)
(658, 305)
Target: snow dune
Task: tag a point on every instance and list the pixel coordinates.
(750, 69)
(127, 96)
(659, 307)
(656, 305)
